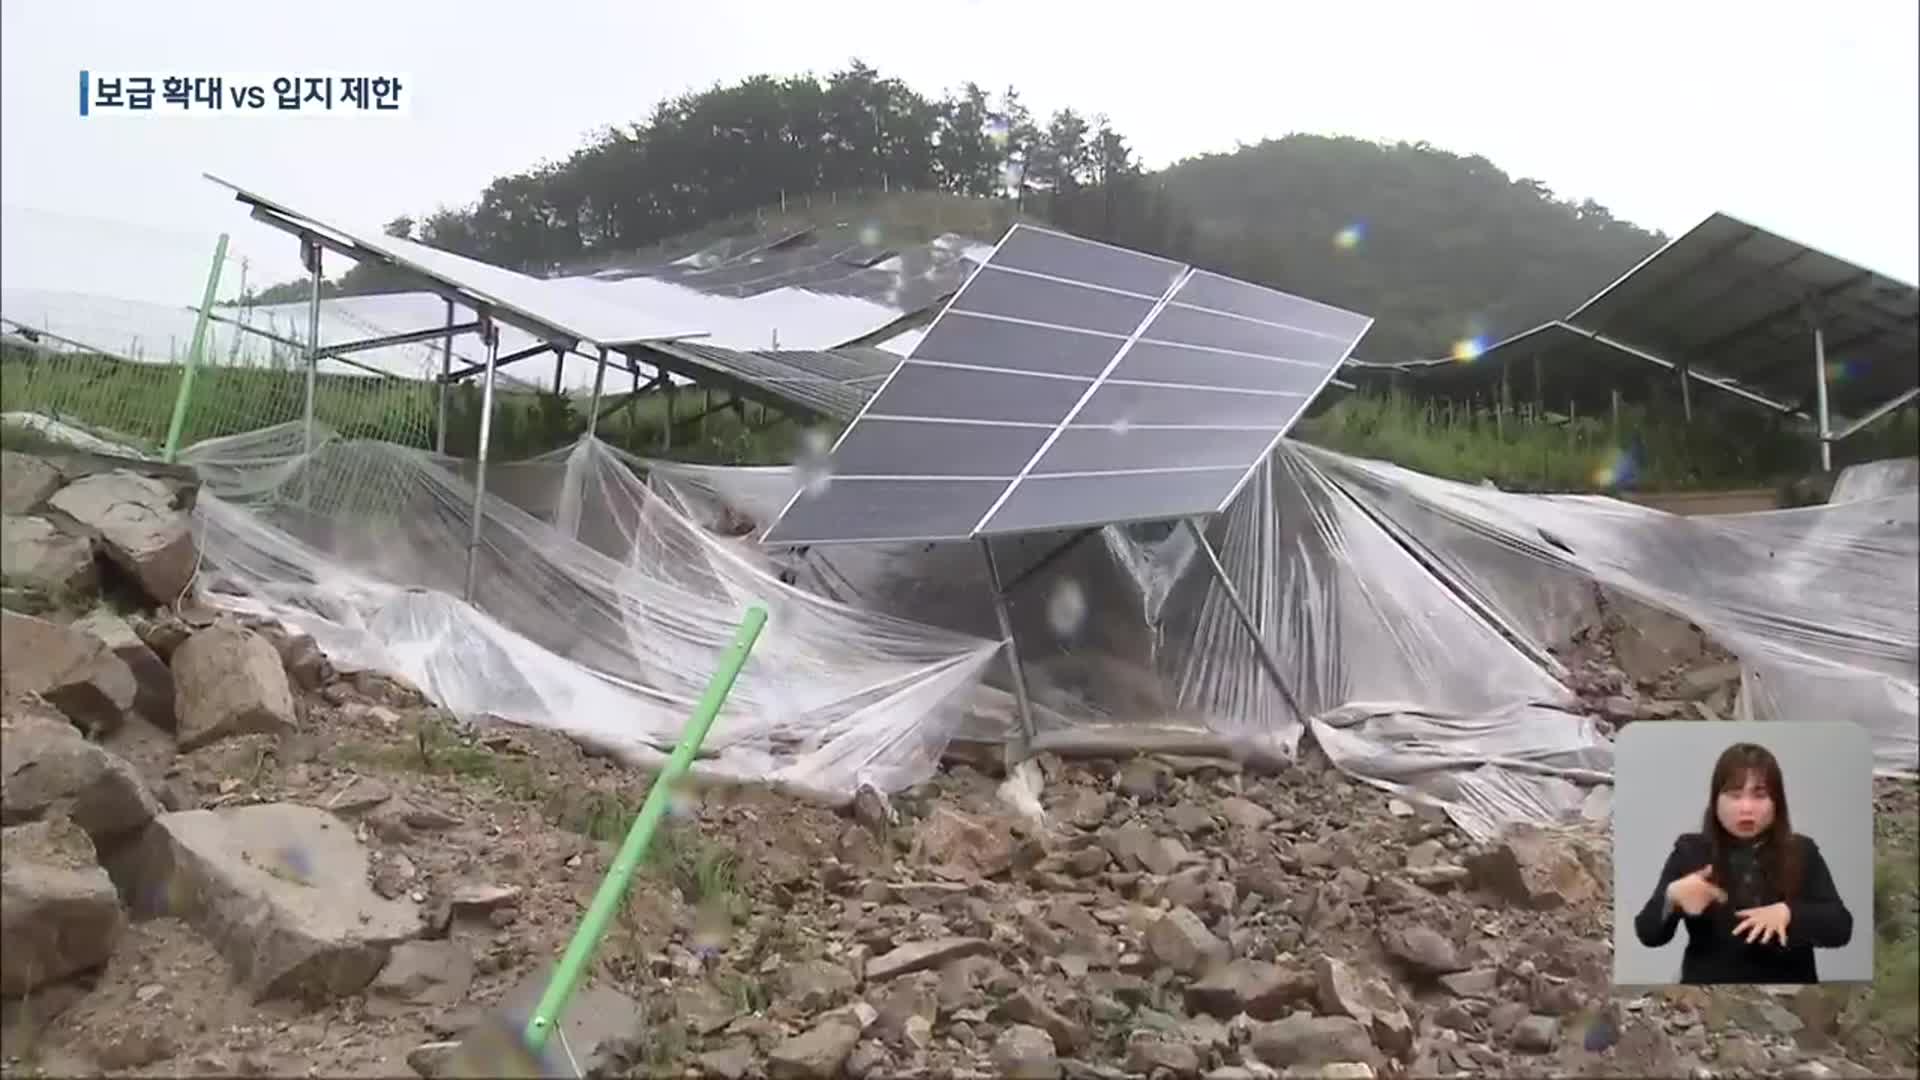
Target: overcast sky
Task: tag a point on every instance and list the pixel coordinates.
(1799, 118)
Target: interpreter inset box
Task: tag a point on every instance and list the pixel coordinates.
(1742, 854)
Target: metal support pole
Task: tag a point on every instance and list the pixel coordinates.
(313, 368)
(1820, 399)
(1686, 393)
(1247, 623)
(446, 386)
(492, 336)
(1001, 612)
(599, 380)
(559, 369)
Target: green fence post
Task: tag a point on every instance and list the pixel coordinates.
(194, 352)
(613, 888)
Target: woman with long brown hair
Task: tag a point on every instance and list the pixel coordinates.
(1756, 896)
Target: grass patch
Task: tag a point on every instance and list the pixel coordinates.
(1894, 1002)
(1646, 449)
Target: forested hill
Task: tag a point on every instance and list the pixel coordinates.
(1437, 247)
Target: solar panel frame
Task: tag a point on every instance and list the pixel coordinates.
(1055, 346)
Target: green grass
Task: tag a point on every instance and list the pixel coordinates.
(1726, 449)
(1894, 1002)
(133, 403)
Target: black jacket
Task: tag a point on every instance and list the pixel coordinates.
(1714, 955)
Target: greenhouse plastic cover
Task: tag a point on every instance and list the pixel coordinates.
(1409, 615)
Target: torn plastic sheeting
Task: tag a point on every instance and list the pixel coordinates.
(1532, 761)
(1872, 479)
(611, 650)
(1155, 644)
(1822, 597)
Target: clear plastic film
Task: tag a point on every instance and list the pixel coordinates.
(1410, 619)
(609, 638)
(1820, 604)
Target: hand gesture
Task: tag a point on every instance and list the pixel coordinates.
(1760, 925)
(1696, 892)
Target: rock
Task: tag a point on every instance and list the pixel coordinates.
(1191, 819)
(1180, 941)
(162, 631)
(816, 985)
(153, 682)
(1263, 991)
(1303, 1039)
(280, 890)
(1151, 1051)
(1536, 1034)
(915, 996)
(1704, 682)
(36, 554)
(1479, 983)
(1651, 642)
(1024, 1052)
(60, 914)
(229, 681)
(431, 973)
(1244, 813)
(730, 1062)
(1423, 950)
(961, 844)
(435, 1059)
(818, 1053)
(1439, 877)
(74, 671)
(1535, 868)
(483, 899)
(1029, 1007)
(869, 1061)
(1144, 778)
(922, 955)
(140, 525)
(1344, 992)
(49, 768)
(1086, 808)
(26, 481)
(306, 666)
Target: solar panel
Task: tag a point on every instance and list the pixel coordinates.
(1072, 383)
(553, 306)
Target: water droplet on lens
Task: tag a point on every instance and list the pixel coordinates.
(1066, 608)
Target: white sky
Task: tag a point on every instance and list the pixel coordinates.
(1803, 119)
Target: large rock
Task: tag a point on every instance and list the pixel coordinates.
(1179, 940)
(73, 670)
(1262, 990)
(817, 1053)
(963, 846)
(153, 681)
(229, 681)
(142, 527)
(1535, 868)
(25, 482)
(35, 553)
(1025, 1052)
(280, 890)
(922, 955)
(1346, 992)
(59, 914)
(1304, 1039)
(47, 768)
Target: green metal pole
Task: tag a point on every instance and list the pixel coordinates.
(194, 352)
(613, 888)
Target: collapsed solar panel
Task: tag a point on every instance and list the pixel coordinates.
(1071, 383)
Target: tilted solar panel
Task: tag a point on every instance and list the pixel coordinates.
(1073, 383)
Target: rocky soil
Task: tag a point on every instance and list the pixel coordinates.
(222, 856)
